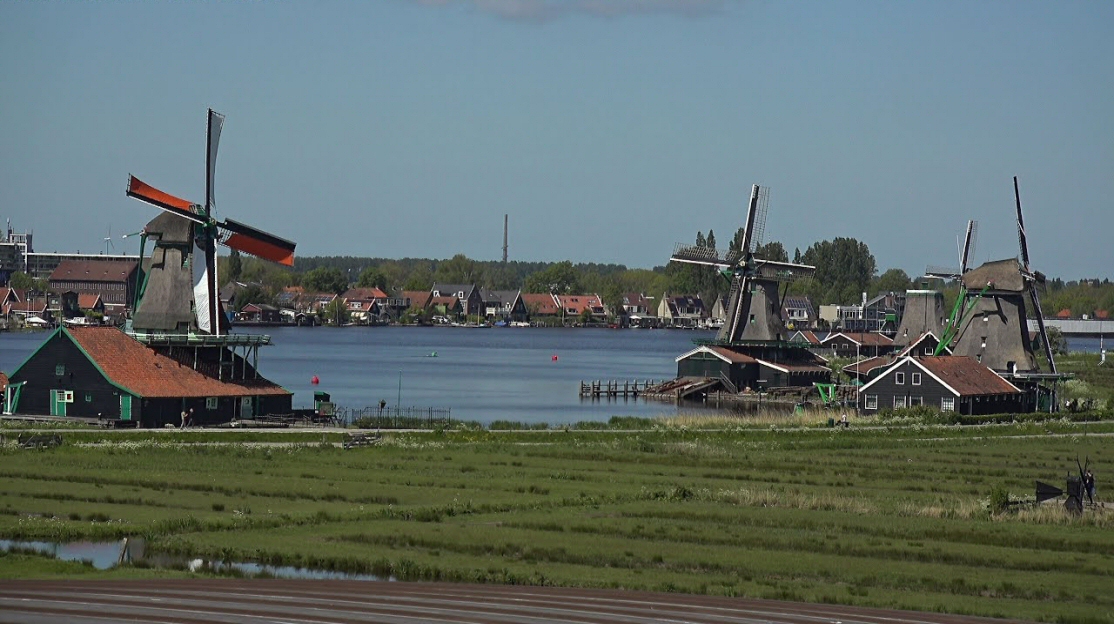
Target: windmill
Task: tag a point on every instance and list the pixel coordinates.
(108, 242)
(995, 328)
(754, 308)
(185, 260)
(924, 308)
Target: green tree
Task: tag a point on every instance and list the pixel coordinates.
(372, 277)
(421, 278)
(21, 280)
(458, 270)
(336, 312)
(559, 279)
(893, 280)
(235, 265)
(844, 268)
(325, 279)
(1057, 341)
(772, 250)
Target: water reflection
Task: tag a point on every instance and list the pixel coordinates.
(107, 555)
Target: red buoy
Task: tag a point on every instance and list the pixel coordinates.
(555, 358)
(315, 380)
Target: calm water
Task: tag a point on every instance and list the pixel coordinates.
(480, 374)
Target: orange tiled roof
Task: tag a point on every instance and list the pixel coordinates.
(540, 303)
(364, 294)
(148, 374)
(966, 375)
(87, 301)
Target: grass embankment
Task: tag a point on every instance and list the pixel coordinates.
(887, 516)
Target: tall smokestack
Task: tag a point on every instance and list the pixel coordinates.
(504, 239)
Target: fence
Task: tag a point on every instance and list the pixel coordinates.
(375, 417)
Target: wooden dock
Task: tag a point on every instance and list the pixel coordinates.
(614, 388)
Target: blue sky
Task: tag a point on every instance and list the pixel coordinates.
(607, 130)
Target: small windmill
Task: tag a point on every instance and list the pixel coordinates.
(995, 328)
(108, 241)
(754, 309)
(185, 257)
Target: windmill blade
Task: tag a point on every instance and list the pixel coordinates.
(175, 205)
(748, 243)
(1040, 325)
(968, 245)
(1022, 243)
(256, 242)
(782, 271)
(214, 125)
(757, 223)
(703, 255)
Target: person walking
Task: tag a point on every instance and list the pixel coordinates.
(1089, 486)
(185, 418)
(191, 421)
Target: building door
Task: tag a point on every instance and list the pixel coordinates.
(246, 408)
(125, 407)
(58, 402)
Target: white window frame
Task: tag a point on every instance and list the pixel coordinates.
(947, 404)
(211, 403)
(899, 378)
(899, 401)
(871, 402)
(915, 378)
(915, 401)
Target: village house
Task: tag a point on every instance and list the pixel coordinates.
(852, 344)
(115, 281)
(870, 368)
(504, 305)
(366, 305)
(798, 312)
(682, 311)
(541, 306)
(947, 383)
(574, 308)
(101, 372)
(738, 369)
(471, 301)
(260, 313)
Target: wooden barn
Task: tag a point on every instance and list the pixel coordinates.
(101, 372)
(947, 383)
(743, 369)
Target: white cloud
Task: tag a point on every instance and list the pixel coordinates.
(545, 10)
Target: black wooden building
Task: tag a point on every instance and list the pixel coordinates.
(947, 383)
(101, 372)
(779, 368)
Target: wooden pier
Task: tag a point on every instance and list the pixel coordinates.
(613, 388)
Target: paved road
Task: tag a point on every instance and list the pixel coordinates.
(320, 602)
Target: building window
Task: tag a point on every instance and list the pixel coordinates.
(947, 404)
(88, 397)
(928, 350)
(872, 401)
(211, 403)
(899, 379)
(899, 402)
(915, 378)
(59, 370)
(915, 401)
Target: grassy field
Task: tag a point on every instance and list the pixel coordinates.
(892, 516)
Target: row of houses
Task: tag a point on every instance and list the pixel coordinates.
(77, 289)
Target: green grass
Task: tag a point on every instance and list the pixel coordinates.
(900, 514)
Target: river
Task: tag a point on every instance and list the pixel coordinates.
(522, 374)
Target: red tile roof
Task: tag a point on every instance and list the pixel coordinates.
(733, 356)
(863, 367)
(418, 298)
(93, 270)
(148, 374)
(540, 303)
(577, 304)
(87, 301)
(364, 294)
(966, 375)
